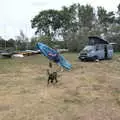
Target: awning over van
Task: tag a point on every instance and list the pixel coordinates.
(96, 40)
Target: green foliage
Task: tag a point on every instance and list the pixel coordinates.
(60, 44)
(10, 43)
(69, 21)
(22, 42)
(33, 43)
(86, 16)
(46, 40)
(47, 22)
(105, 19)
(118, 12)
(75, 23)
(2, 43)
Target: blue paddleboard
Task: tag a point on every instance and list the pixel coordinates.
(45, 50)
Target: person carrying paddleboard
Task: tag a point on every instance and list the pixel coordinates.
(55, 58)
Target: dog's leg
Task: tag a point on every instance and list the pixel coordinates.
(56, 77)
(56, 80)
(51, 81)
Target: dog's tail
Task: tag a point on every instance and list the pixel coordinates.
(60, 69)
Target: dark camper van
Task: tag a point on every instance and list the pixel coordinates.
(97, 49)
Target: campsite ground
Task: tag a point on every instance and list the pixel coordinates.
(90, 91)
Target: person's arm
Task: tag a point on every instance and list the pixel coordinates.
(52, 54)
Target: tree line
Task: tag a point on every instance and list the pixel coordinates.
(70, 27)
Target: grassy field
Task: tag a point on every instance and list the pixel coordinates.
(90, 91)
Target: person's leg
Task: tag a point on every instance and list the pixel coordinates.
(50, 64)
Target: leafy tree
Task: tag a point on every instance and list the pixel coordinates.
(33, 43)
(46, 40)
(105, 18)
(10, 43)
(69, 18)
(47, 22)
(118, 14)
(2, 43)
(74, 24)
(22, 42)
(86, 16)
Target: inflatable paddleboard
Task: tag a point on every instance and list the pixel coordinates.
(45, 50)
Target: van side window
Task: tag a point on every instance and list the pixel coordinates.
(99, 47)
(109, 47)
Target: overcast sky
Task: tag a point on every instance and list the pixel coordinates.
(15, 15)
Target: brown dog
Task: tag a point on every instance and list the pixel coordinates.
(52, 77)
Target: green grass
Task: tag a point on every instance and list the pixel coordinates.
(117, 53)
(15, 64)
(71, 56)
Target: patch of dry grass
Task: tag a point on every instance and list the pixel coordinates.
(90, 91)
